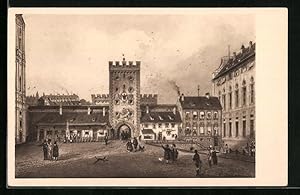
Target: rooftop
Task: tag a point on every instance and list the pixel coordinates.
(201, 102)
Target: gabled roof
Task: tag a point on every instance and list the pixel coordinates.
(160, 117)
(147, 131)
(201, 103)
(240, 58)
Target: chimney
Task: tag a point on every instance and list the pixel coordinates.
(103, 111)
(60, 109)
(250, 44)
(234, 55)
(89, 110)
(243, 48)
(174, 110)
(147, 109)
(182, 97)
(207, 95)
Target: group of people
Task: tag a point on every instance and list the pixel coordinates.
(170, 153)
(134, 145)
(212, 159)
(50, 150)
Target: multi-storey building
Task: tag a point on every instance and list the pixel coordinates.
(160, 122)
(20, 88)
(233, 82)
(201, 119)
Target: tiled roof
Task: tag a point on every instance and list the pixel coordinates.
(239, 59)
(73, 118)
(201, 102)
(147, 131)
(157, 117)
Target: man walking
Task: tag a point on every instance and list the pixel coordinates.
(45, 150)
(106, 138)
(197, 161)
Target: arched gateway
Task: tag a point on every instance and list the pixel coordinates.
(125, 128)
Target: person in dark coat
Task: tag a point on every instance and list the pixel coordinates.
(55, 151)
(172, 153)
(106, 138)
(175, 152)
(135, 143)
(129, 146)
(45, 150)
(50, 149)
(167, 153)
(214, 156)
(197, 161)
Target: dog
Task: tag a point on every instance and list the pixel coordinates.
(103, 159)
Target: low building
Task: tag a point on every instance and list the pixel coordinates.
(68, 123)
(160, 122)
(201, 119)
(59, 99)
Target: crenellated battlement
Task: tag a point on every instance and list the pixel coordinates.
(148, 99)
(124, 64)
(100, 99)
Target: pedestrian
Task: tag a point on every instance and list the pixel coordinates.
(226, 149)
(167, 152)
(106, 138)
(175, 152)
(129, 146)
(55, 151)
(197, 161)
(172, 154)
(45, 150)
(135, 143)
(209, 155)
(214, 156)
(50, 149)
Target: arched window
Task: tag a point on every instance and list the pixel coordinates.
(224, 99)
(244, 91)
(236, 95)
(251, 90)
(230, 97)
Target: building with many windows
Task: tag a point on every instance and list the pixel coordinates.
(234, 84)
(20, 92)
(201, 119)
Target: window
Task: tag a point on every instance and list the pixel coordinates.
(187, 115)
(117, 102)
(230, 100)
(172, 125)
(167, 125)
(215, 115)
(224, 130)
(252, 91)
(216, 127)
(154, 126)
(201, 128)
(236, 129)
(208, 115)
(230, 130)
(202, 115)
(208, 129)
(20, 123)
(195, 115)
(220, 95)
(251, 128)
(224, 102)
(244, 128)
(159, 125)
(244, 91)
(146, 125)
(237, 98)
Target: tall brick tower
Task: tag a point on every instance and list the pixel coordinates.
(20, 91)
(124, 92)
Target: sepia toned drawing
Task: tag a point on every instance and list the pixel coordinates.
(129, 96)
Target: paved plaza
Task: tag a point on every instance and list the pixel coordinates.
(78, 160)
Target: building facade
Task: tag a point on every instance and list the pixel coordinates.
(234, 84)
(20, 85)
(124, 92)
(160, 122)
(201, 119)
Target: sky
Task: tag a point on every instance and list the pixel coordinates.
(70, 53)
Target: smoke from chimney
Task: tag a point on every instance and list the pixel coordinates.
(175, 86)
